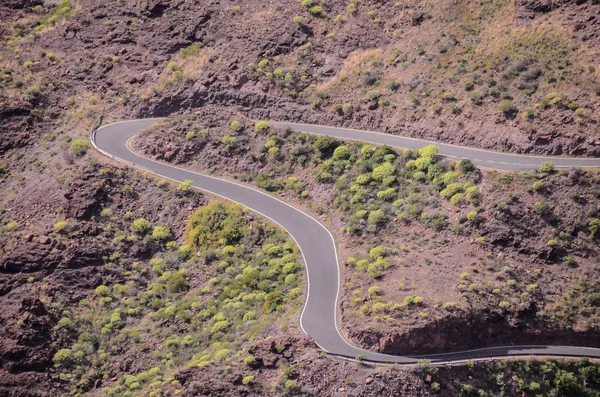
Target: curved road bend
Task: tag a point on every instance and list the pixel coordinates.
(484, 158)
(319, 314)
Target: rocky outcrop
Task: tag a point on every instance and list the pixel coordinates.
(461, 331)
(25, 329)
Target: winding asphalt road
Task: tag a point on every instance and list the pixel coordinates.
(484, 158)
(319, 317)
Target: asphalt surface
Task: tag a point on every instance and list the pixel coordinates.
(484, 158)
(319, 314)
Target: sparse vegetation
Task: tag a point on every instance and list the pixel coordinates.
(96, 305)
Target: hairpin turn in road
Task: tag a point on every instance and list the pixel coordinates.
(319, 317)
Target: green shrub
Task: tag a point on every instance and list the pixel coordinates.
(393, 85)
(387, 195)
(538, 186)
(507, 107)
(128, 191)
(291, 385)
(215, 224)
(377, 252)
(228, 140)
(452, 189)
(176, 281)
(383, 171)
(262, 126)
(374, 290)
(62, 358)
(102, 290)
(248, 380)
(594, 226)
(161, 233)
(413, 300)
(342, 153)
(465, 166)
(325, 145)
(79, 147)
(540, 207)
(457, 199)
(219, 326)
(376, 217)
(140, 226)
(235, 126)
(472, 194)
(364, 179)
(271, 143)
(189, 51)
(106, 213)
(270, 185)
(546, 167)
(61, 227)
(273, 301)
(289, 372)
(429, 151)
(185, 186)
(316, 11)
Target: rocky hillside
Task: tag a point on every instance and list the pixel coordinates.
(88, 304)
(498, 74)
